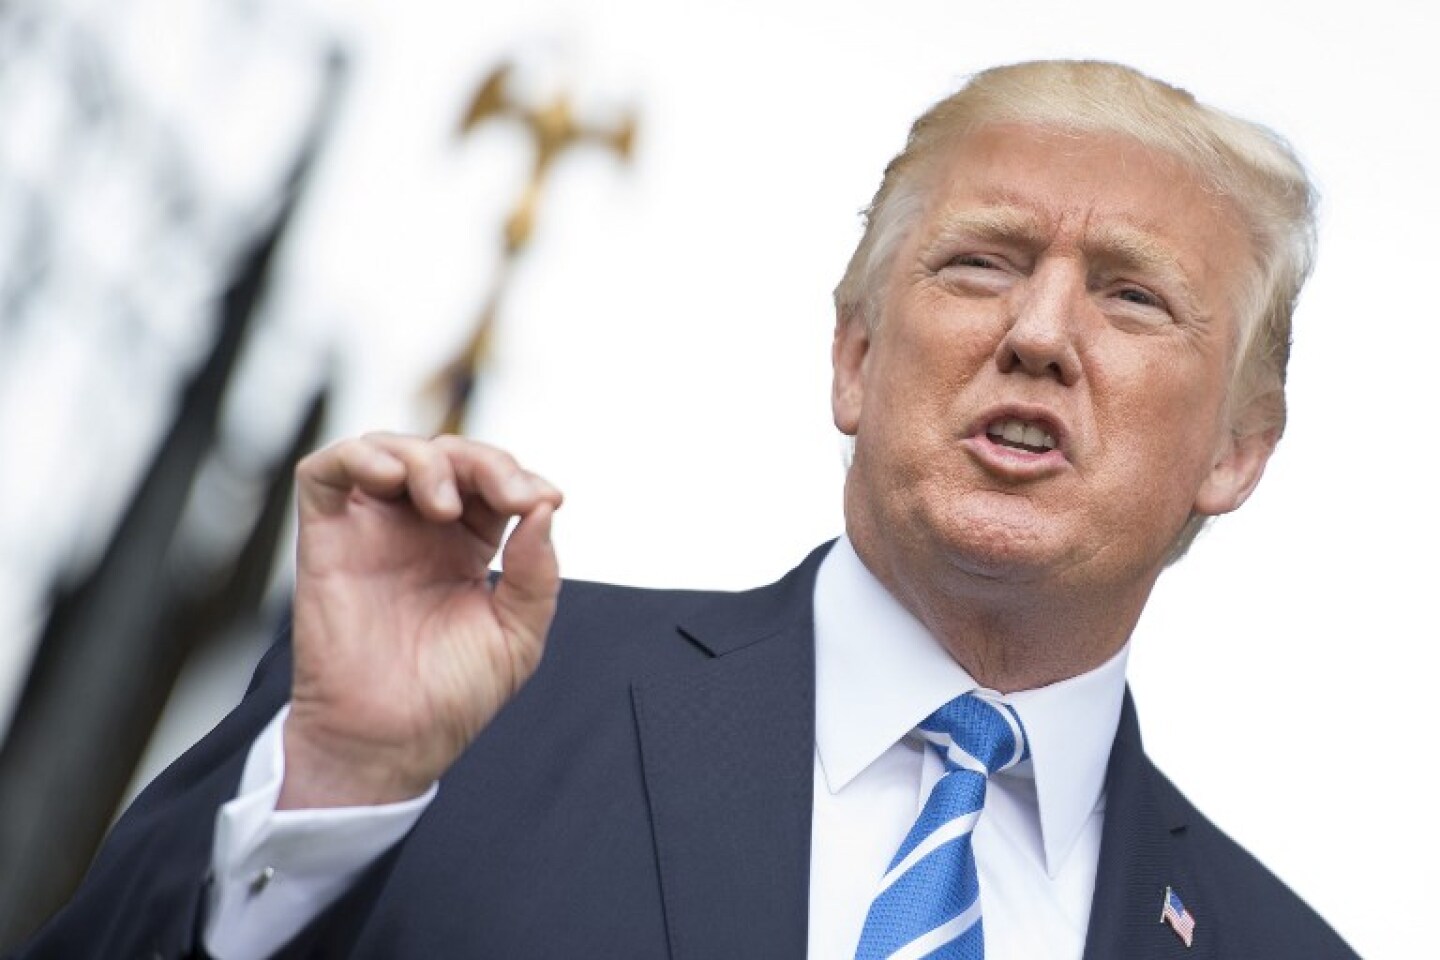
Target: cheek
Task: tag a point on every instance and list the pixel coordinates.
(914, 408)
(1166, 409)
(938, 348)
(1175, 423)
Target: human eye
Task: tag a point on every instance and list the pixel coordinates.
(976, 260)
(974, 274)
(1136, 304)
(978, 271)
(1140, 297)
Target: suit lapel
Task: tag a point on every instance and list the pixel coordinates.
(727, 745)
(728, 751)
(1143, 850)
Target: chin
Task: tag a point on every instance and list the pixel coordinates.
(997, 555)
(999, 544)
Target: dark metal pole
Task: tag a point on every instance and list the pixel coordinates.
(114, 644)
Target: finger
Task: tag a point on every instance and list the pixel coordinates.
(430, 478)
(485, 522)
(325, 479)
(525, 596)
(495, 476)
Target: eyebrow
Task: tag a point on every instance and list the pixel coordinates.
(996, 224)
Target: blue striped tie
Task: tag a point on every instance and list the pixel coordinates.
(929, 899)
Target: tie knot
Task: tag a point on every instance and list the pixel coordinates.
(975, 733)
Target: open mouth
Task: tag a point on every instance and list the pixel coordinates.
(1020, 435)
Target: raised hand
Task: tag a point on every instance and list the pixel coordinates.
(403, 651)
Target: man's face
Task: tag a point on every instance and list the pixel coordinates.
(1043, 397)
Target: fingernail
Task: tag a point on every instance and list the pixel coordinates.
(522, 485)
(447, 496)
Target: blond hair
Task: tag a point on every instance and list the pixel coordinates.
(1247, 164)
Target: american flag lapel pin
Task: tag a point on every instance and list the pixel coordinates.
(1180, 919)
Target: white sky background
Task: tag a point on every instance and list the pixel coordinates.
(664, 354)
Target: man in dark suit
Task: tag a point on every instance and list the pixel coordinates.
(1059, 348)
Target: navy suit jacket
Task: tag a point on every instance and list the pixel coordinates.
(646, 795)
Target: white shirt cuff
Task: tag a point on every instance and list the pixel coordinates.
(274, 871)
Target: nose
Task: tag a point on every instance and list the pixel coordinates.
(1044, 314)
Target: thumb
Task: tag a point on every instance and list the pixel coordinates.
(525, 596)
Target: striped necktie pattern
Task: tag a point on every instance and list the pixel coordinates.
(929, 900)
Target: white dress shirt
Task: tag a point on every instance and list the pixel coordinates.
(878, 674)
(273, 871)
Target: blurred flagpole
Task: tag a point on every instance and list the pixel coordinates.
(114, 643)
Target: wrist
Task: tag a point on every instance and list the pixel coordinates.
(320, 772)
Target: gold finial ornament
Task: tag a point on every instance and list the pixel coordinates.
(554, 129)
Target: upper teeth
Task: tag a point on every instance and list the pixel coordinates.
(1018, 431)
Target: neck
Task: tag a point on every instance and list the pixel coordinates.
(1010, 633)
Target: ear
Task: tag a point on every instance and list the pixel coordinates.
(1236, 472)
(847, 357)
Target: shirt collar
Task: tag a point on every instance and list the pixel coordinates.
(871, 692)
